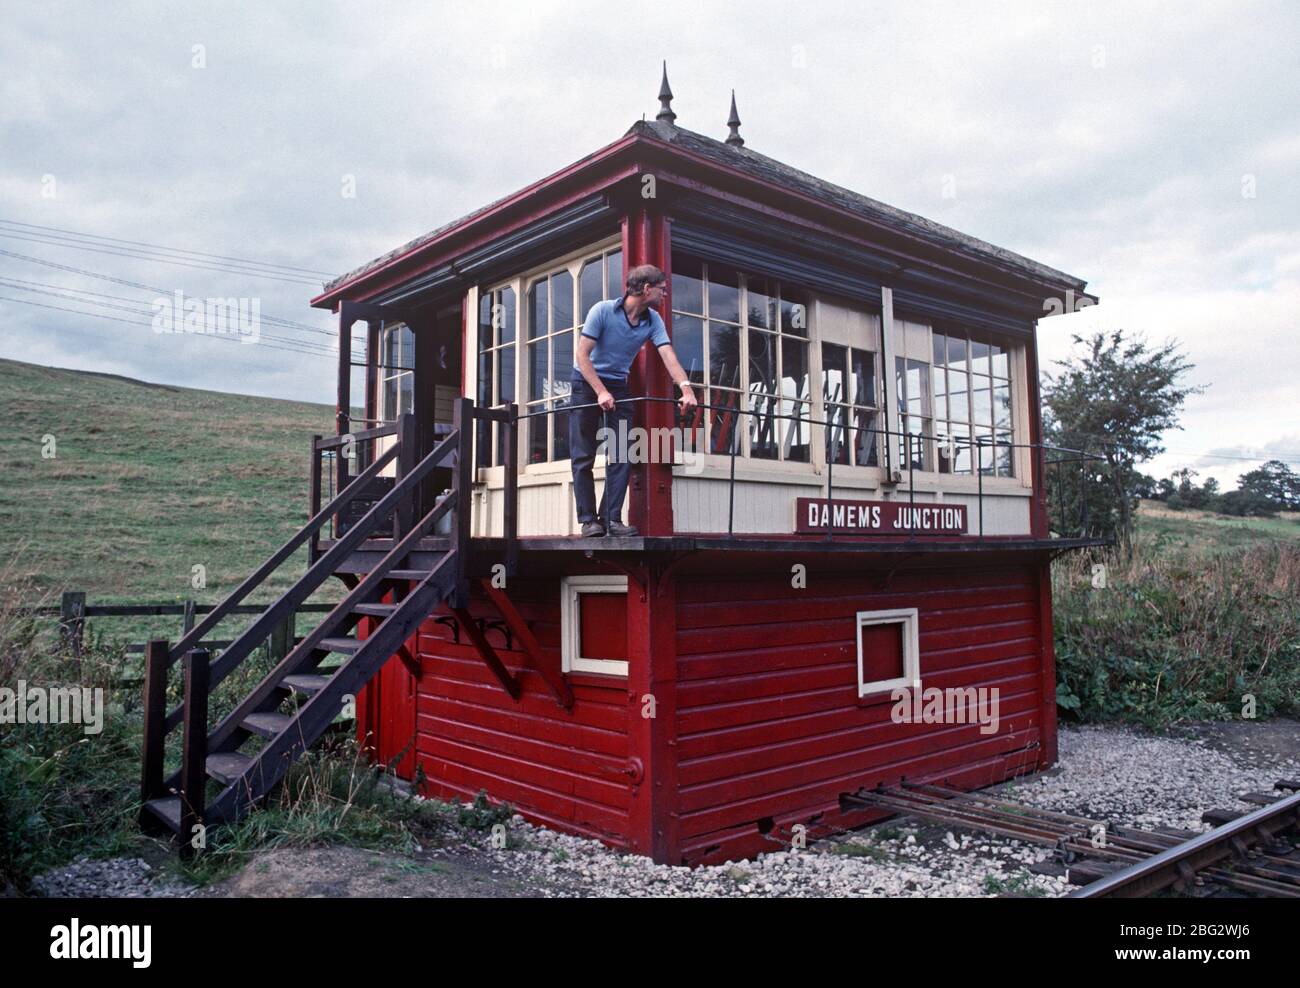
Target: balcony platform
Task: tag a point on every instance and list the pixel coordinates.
(486, 549)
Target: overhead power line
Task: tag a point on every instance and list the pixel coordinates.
(174, 250)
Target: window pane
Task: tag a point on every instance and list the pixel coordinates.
(724, 354)
(982, 404)
(561, 301)
(688, 285)
(837, 439)
(1004, 454)
(762, 362)
(724, 421)
(863, 381)
(796, 431)
(865, 444)
(940, 349)
(834, 387)
(794, 369)
(537, 427)
(762, 303)
(486, 368)
(794, 314)
(507, 316)
(538, 324)
(958, 396)
(764, 427)
(724, 294)
(957, 353)
(485, 320)
(1001, 406)
(984, 449)
(562, 364)
(536, 369)
(505, 375)
(911, 448)
(979, 357)
(940, 395)
(614, 274)
(688, 344)
(960, 448)
(560, 429)
(591, 286)
(1001, 367)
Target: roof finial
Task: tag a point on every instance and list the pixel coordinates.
(665, 113)
(733, 121)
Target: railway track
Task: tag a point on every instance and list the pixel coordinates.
(1251, 852)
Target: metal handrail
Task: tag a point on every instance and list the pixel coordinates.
(975, 444)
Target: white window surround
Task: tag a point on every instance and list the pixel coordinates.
(571, 590)
(908, 618)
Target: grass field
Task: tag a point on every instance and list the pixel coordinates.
(1206, 531)
(147, 481)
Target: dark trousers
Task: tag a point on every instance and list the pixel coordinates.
(584, 424)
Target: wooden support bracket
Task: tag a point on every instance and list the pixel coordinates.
(486, 652)
(549, 670)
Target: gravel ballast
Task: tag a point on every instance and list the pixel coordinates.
(1110, 774)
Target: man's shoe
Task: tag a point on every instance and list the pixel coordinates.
(592, 530)
(619, 530)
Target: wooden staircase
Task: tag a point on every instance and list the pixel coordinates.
(297, 701)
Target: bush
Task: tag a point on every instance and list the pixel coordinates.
(1179, 636)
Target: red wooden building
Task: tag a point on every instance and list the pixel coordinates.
(858, 506)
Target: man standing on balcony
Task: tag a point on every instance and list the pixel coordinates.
(612, 336)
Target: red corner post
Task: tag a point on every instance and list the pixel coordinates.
(650, 490)
(654, 815)
(1038, 526)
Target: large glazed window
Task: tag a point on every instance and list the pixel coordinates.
(744, 340)
(396, 371)
(496, 367)
(972, 404)
(556, 307)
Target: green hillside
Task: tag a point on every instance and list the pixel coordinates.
(148, 481)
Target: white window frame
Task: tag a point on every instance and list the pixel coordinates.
(908, 617)
(571, 590)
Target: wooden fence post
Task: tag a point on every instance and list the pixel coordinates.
(155, 719)
(194, 752)
(187, 618)
(72, 620)
(280, 642)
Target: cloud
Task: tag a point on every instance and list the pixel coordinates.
(1148, 150)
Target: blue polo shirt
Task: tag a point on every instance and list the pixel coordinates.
(617, 340)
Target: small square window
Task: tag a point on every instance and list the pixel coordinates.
(889, 654)
(593, 624)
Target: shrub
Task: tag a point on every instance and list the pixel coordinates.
(1180, 635)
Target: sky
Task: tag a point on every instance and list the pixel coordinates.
(1150, 149)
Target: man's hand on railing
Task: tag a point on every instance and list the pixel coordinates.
(688, 401)
(605, 400)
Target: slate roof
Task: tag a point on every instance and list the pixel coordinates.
(769, 169)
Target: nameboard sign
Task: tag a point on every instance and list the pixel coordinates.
(878, 517)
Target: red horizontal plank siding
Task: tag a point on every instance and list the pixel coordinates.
(771, 730)
(566, 769)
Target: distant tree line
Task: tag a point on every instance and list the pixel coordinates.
(1261, 492)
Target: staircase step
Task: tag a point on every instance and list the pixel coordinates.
(375, 610)
(345, 645)
(305, 683)
(227, 766)
(166, 809)
(408, 574)
(266, 724)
